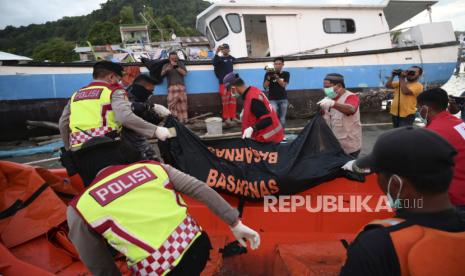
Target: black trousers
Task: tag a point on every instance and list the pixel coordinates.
(403, 121)
(194, 260)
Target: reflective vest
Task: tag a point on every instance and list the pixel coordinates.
(135, 208)
(346, 128)
(91, 113)
(426, 251)
(273, 132)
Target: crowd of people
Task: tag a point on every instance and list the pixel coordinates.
(105, 129)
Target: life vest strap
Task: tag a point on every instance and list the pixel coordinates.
(19, 204)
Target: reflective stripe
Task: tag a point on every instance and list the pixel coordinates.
(77, 138)
(272, 132)
(163, 258)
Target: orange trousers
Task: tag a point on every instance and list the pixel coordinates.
(229, 103)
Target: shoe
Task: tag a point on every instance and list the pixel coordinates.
(228, 123)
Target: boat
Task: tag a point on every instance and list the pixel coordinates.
(359, 41)
(297, 243)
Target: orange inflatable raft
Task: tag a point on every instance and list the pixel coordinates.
(33, 230)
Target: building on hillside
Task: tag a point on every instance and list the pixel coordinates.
(134, 34)
(101, 52)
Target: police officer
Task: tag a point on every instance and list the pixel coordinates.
(427, 234)
(140, 93)
(259, 120)
(101, 109)
(135, 207)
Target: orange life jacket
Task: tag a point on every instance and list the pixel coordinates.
(426, 251)
(271, 133)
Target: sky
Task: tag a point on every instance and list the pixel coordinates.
(25, 12)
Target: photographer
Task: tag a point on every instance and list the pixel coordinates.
(223, 64)
(276, 81)
(175, 70)
(139, 94)
(404, 105)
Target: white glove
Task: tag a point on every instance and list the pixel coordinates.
(326, 103)
(161, 110)
(352, 166)
(162, 133)
(242, 232)
(349, 166)
(247, 133)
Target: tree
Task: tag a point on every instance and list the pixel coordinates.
(56, 49)
(126, 15)
(104, 33)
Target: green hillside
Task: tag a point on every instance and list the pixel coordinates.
(55, 40)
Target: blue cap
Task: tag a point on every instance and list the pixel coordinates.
(229, 79)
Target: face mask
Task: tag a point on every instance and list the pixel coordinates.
(234, 93)
(330, 93)
(424, 119)
(394, 203)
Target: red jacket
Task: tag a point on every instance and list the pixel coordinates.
(452, 129)
(271, 133)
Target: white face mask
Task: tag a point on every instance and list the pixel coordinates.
(394, 203)
(424, 119)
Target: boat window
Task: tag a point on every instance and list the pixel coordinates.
(234, 22)
(337, 26)
(219, 28)
(211, 41)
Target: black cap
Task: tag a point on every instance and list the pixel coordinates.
(146, 78)
(436, 97)
(225, 46)
(409, 151)
(110, 66)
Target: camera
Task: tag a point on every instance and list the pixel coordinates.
(411, 73)
(271, 72)
(397, 72)
(175, 66)
(270, 69)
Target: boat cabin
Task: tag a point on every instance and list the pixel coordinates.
(260, 30)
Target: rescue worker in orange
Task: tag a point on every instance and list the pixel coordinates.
(427, 235)
(102, 108)
(341, 111)
(135, 207)
(259, 120)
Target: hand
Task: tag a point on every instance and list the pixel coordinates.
(326, 103)
(161, 110)
(241, 232)
(352, 166)
(247, 133)
(403, 74)
(162, 133)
